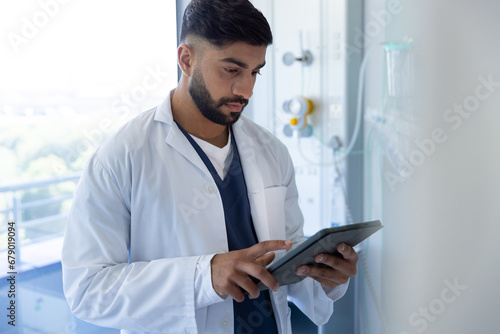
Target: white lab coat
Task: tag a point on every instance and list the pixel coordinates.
(146, 190)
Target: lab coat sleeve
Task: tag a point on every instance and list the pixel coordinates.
(205, 294)
(99, 283)
(308, 295)
(315, 301)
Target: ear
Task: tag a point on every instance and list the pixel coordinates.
(186, 58)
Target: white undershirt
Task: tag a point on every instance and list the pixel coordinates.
(219, 157)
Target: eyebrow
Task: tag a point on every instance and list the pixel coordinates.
(240, 63)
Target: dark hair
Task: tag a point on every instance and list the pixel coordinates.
(223, 22)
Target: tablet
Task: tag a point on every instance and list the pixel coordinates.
(324, 241)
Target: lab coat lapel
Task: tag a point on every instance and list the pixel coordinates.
(253, 179)
(175, 138)
(178, 141)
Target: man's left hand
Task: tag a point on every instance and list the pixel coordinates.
(336, 271)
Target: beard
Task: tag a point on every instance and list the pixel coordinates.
(210, 108)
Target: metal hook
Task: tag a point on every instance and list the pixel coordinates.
(306, 59)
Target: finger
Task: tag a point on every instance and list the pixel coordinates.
(261, 274)
(347, 252)
(249, 286)
(264, 247)
(265, 259)
(235, 292)
(348, 267)
(326, 276)
(328, 283)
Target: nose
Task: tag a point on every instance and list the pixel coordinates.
(244, 87)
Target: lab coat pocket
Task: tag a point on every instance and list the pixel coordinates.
(275, 210)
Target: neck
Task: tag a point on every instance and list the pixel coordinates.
(190, 118)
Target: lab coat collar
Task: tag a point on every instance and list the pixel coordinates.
(164, 110)
(175, 138)
(164, 113)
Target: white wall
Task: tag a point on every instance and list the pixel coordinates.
(442, 219)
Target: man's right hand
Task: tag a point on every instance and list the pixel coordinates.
(230, 271)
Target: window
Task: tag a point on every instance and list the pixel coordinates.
(72, 73)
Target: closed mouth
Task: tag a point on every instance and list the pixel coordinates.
(236, 107)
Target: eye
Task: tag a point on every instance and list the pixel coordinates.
(256, 72)
(230, 70)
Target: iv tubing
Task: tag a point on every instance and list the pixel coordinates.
(359, 108)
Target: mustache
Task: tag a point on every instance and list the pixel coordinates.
(239, 100)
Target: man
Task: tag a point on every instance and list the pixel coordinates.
(183, 205)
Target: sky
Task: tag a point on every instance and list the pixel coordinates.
(98, 46)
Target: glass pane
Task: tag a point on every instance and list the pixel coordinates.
(72, 72)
